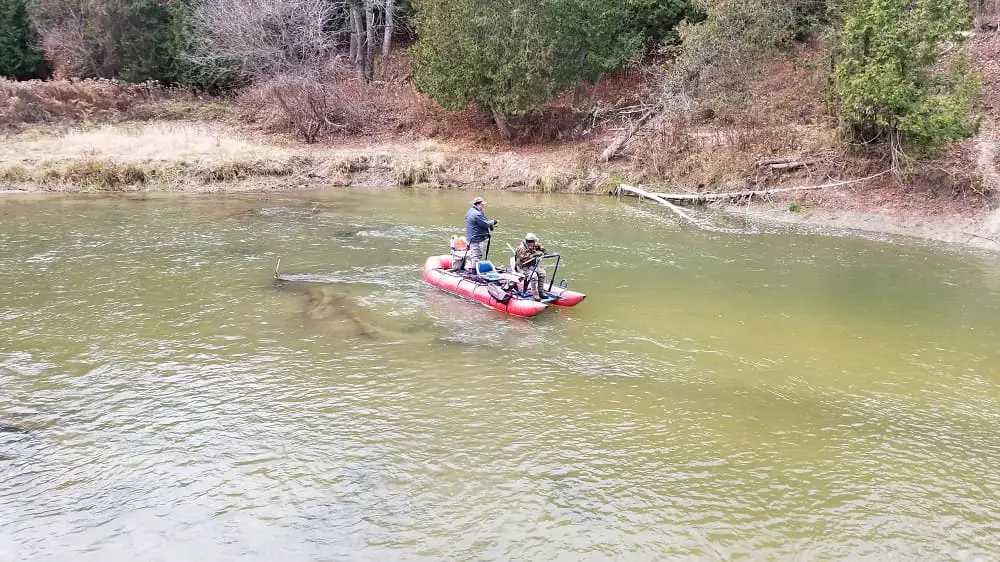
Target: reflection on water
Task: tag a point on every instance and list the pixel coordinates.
(770, 395)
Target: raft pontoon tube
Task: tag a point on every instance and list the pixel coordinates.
(437, 272)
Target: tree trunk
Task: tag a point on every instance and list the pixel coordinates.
(358, 35)
(370, 41)
(390, 8)
(502, 125)
(355, 44)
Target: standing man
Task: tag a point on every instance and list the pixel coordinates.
(526, 257)
(477, 232)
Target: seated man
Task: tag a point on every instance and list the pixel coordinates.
(527, 255)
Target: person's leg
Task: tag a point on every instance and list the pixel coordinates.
(540, 282)
(475, 254)
(458, 258)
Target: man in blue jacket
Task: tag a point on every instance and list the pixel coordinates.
(477, 232)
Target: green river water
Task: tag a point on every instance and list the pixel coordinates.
(772, 395)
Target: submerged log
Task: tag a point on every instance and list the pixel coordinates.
(6, 427)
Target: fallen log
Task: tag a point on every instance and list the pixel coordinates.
(771, 160)
(787, 165)
(641, 193)
(702, 198)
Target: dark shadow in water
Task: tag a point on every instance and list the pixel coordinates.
(11, 434)
(331, 305)
(9, 427)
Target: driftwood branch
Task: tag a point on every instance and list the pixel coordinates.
(782, 163)
(701, 198)
(788, 165)
(641, 193)
(771, 160)
(619, 142)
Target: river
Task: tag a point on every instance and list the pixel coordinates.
(768, 395)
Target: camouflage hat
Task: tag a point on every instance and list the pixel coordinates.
(478, 200)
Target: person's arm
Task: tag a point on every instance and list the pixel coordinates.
(523, 258)
(482, 221)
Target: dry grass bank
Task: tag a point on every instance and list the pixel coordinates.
(202, 156)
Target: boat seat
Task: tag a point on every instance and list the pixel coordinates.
(486, 270)
(521, 278)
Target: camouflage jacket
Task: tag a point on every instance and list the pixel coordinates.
(524, 257)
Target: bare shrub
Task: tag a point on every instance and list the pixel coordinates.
(987, 13)
(752, 131)
(67, 52)
(304, 103)
(701, 147)
(657, 152)
(952, 174)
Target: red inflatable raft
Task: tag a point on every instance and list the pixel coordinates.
(493, 289)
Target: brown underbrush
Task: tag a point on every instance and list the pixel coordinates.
(717, 140)
(100, 100)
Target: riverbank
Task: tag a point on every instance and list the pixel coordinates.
(68, 136)
(218, 157)
(213, 157)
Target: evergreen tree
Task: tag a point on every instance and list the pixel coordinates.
(19, 56)
(658, 19)
(886, 78)
(509, 56)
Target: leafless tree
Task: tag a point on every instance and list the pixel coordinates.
(291, 52)
(720, 55)
(364, 36)
(267, 37)
(270, 37)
